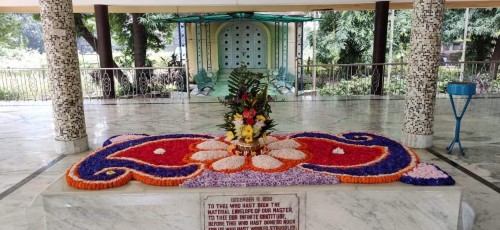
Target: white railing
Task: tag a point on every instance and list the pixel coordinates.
(171, 82)
(133, 82)
(356, 79)
(98, 83)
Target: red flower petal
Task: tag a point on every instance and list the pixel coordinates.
(175, 149)
(354, 154)
(250, 121)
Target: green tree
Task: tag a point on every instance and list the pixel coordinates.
(10, 32)
(347, 36)
(483, 32)
(344, 36)
(32, 32)
(402, 34)
(136, 33)
(483, 41)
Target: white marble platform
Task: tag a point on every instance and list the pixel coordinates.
(343, 206)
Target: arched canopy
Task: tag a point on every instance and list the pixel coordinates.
(242, 15)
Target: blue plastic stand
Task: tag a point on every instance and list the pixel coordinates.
(465, 89)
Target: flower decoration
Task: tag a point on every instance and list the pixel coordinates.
(248, 178)
(248, 118)
(117, 163)
(427, 174)
(122, 138)
(280, 155)
(338, 150)
(367, 158)
(196, 160)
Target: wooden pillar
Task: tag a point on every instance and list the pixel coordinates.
(104, 50)
(379, 46)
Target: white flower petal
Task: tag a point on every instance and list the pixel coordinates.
(289, 154)
(284, 144)
(209, 155)
(126, 137)
(266, 162)
(270, 139)
(212, 145)
(338, 150)
(159, 151)
(229, 163)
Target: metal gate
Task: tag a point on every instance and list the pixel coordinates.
(242, 43)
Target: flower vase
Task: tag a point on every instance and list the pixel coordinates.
(249, 149)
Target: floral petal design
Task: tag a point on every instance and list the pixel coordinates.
(338, 150)
(212, 145)
(209, 155)
(367, 158)
(122, 138)
(229, 163)
(116, 164)
(284, 144)
(247, 178)
(289, 154)
(270, 139)
(427, 174)
(159, 151)
(300, 158)
(266, 162)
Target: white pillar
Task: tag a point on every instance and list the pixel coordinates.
(64, 73)
(427, 21)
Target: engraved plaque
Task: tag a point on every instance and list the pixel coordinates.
(251, 212)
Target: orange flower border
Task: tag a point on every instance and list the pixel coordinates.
(124, 174)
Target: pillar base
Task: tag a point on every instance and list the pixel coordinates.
(417, 141)
(72, 147)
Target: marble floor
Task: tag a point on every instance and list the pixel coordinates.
(28, 162)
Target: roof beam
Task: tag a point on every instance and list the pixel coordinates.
(250, 8)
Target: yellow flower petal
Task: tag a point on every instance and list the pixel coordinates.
(260, 117)
(230, 135)
(247, 131)
(238, 116)
(248, 139)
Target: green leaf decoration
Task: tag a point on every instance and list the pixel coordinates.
(247, 93)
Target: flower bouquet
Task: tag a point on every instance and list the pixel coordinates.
(248, 118)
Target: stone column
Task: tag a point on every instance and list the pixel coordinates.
(425, 44)
(63, 69)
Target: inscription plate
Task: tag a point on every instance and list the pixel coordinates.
(251, 212)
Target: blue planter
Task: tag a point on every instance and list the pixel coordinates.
(461, 88)
(465, 89)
